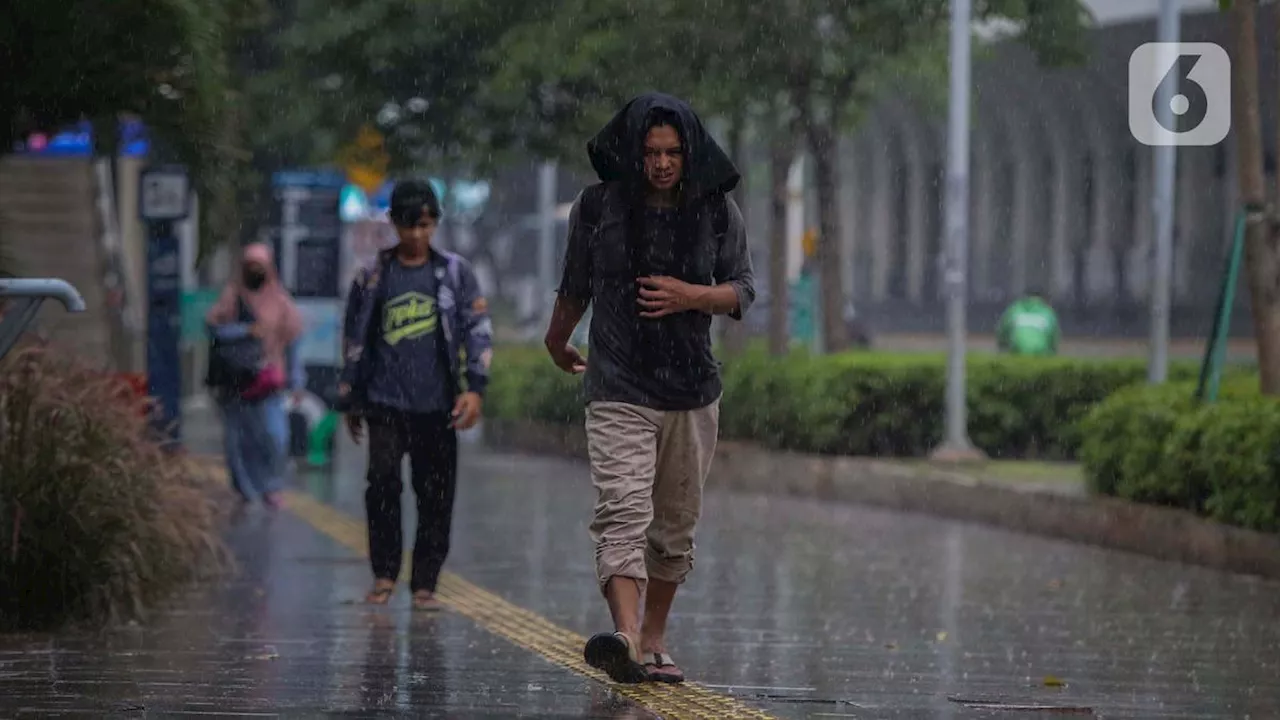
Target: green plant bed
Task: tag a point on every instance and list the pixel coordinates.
(525, 384)
(97, 522)
(1159, 446)
(864, 403)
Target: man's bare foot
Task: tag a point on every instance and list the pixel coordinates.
(426, 601)
(650, 645)
(661, 668)
(658, 664)
(381, 593)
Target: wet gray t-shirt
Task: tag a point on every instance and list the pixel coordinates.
(664, 363)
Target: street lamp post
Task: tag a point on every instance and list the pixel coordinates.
(956, 444)
(1162, 203)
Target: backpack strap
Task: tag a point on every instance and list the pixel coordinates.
(376, 295)
(378, 273)
(591, 208)
(243, 313)
(720, 217)
(454, 272)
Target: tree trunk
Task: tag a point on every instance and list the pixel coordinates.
(781, 156)
(733, 333)
(1260, 251)
(822, 146)
(115, 278)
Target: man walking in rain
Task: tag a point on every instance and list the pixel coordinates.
(659, 248)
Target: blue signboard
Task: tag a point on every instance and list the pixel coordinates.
(77, 141)
(309, 178)
(164, 327)
(381, 199)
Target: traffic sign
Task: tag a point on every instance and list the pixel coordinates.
(165, 194)
(365, 160)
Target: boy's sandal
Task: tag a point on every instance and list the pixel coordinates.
(613, 654)
(380, 595)
(661, 668)
(424, 601)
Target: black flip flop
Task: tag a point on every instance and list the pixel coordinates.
(611, 653)
(660, 661)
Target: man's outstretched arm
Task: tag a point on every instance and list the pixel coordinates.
(565, 316)
(735, 288)
(573, 296)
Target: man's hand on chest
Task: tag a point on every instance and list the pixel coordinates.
(662, 295)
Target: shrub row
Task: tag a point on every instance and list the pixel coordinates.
(863, 403)
(97, 522)
(1221, 460)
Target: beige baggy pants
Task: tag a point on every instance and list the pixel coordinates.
(649, 468)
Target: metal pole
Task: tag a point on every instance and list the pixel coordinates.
(41, 288)
(30, 292)
(546, 240)
(956, 443)
(1216, 349)
(1162, 203)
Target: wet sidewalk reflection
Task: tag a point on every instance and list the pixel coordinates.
(289, 638)
(799, 609)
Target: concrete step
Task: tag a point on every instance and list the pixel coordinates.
(49, 228)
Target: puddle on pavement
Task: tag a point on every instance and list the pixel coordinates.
(1012, 705)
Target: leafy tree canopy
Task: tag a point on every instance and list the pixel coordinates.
(163, 60)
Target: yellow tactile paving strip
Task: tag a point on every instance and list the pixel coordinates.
(532, 631)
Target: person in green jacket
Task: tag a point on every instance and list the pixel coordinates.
(1029, 327)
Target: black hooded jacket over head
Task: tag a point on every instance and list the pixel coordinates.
(616, 237)
(617, 151)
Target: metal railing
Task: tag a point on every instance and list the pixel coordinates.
(29, 293)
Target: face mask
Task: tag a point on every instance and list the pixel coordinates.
(254, 279)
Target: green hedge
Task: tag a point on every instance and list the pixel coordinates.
(1222, 460)
(863, 403)
(525, 384)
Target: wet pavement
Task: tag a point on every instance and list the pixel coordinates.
(288, 638)
(795, 609)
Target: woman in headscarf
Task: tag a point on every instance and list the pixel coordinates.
(255, 424)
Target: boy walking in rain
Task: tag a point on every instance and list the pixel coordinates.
(659, 248)
(410, 317)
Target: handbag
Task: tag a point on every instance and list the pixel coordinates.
(270, 379)
(239, 364)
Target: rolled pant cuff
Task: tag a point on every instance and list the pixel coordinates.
(625, 562)
(668, 569)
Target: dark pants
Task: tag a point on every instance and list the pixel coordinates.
(432, 447)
